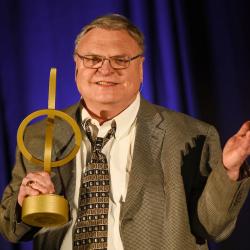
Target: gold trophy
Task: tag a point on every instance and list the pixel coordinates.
(47, 210)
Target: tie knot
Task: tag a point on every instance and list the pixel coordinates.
(99, 142)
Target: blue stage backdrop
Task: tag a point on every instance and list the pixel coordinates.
(197, 62)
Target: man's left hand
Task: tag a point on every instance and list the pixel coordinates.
(236, 151)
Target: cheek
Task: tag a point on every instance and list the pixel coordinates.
(134, 81)
(81, 83)
(83, 76)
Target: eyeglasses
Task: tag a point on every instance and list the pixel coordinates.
(116, 62)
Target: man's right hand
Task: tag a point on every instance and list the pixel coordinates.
(35, 183)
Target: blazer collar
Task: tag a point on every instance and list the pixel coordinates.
(63, 132)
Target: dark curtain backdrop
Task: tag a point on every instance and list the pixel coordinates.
(197, 62)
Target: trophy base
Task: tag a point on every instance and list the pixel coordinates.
(46, 210)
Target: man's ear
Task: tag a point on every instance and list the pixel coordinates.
(76, 72)
(76, 69)
(141, 69)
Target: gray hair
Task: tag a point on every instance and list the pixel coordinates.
(113, 22)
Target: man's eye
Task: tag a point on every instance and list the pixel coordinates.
(120, 61)
(93, 60)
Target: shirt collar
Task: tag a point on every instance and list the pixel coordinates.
(124, 120)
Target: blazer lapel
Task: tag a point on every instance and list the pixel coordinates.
(64, 143)
(147, 147)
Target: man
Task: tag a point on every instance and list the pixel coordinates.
(170, 185)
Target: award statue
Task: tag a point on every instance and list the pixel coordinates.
(46, 210)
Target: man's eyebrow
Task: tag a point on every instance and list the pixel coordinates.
(114, 56)
(91, 54)
(120, 55)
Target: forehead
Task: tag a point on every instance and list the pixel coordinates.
(108, 42)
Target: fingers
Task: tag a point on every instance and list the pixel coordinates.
(40, 181)
(237, 149)
(248, 142)
(245, 137)
(24, 191)
(34, 184)
(244, 129)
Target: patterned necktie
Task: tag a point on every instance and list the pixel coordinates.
(91, 228)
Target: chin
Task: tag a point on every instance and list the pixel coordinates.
(107, 101)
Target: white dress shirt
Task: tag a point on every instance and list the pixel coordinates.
(119, 152)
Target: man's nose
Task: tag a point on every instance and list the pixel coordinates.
(106, 67)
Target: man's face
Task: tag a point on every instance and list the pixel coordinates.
(107, 87)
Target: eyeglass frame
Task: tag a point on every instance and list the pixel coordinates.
(128, 60)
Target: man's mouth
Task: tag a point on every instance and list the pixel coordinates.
(106, 83)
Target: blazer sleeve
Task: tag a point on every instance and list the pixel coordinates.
(222, 198)
(11, 226)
